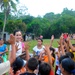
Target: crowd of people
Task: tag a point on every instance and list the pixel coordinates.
(46, 60)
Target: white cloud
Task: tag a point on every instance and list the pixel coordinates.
(40, 7)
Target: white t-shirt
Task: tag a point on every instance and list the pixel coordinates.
(37, 50)
(56, 57)
(19, 52)
(4, 67)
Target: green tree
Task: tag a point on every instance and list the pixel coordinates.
(6, 6)
(14, 25)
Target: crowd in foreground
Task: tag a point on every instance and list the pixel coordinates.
(45, 60)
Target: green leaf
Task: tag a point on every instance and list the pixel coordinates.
(13, 5)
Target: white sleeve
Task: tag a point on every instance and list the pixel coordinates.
(43, 47)
(4, 67)
(34, 49)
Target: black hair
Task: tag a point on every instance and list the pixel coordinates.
(70, 54)
(73, 45)
(52, 49)
(44, 69)
(32, 64)
(69, 65)
(63, 57)
(40, 39)
(16, 31)
(1, 39)
(17, 65)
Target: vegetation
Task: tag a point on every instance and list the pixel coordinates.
(6, 6)
(49, 24)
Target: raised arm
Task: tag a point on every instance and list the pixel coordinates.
(13, 52)
(70, 44)
(61, 45)
(4, 67)
(52, 39)
(67, 46)
(27, 51)
(49, 56)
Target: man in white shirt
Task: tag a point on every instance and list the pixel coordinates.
(4, 67)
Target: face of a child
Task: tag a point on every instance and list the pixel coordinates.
(18, 36)
(39, 42)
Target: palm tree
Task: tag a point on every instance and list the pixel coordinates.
(6, 6)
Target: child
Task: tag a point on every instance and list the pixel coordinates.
(46, 68)
(32, 64)
(3, 50)
(38, 48)
(17, 66)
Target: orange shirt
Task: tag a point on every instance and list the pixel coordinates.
(23, 70)
(46, 59)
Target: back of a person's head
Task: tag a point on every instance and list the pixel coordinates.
(63, 57)
(18, 64)
(32, 64)
(73, 45)
(69, 65)
(70, 54)
(44, 69)
(53, 50)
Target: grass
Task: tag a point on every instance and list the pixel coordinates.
(45, 42)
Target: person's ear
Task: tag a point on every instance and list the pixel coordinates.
(63, 70)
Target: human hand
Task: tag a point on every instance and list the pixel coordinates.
(52, 37)
(12, 39)
(68, 39)
(16, 46)
(61, 38)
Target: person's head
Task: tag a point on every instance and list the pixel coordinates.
(18, 64)
(18, 35)
(70, 54)
(32, 64)
(40, 41)
(1, 41)
(63, 57)
(44, 69)
(73, 45)
(52, 51)
(67, 66)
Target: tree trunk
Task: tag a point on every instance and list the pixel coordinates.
(4, 26)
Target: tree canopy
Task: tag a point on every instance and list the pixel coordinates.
(47, 25)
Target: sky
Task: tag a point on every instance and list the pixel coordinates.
(41, 7)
